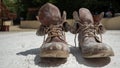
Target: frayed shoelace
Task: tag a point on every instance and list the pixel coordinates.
(54, 32)
(84, 28)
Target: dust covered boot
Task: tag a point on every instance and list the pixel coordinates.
(52, 24)
(88, 27)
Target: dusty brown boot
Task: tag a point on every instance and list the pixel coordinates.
(55, 45)
(88, 28)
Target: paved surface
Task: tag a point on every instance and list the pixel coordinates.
(21, 49)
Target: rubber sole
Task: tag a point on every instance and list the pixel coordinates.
(100, 55)
(54, 54)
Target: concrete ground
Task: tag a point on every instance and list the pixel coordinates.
(20, 49)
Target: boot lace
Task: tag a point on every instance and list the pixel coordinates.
(88, 31)
(54, 31)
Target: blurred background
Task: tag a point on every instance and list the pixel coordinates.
(29, 8)
(22, 10)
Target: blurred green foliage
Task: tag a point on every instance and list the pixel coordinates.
(95, 6)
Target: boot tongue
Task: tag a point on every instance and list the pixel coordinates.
(49, 14)
(85, 16)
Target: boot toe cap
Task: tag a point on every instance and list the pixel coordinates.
(54, 50)
(97, 50)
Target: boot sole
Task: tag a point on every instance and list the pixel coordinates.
(54, 54)
(99, 55)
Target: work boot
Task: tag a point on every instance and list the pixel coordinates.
(52, 24)
(88, 27)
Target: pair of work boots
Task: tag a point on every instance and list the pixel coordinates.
(86, 26)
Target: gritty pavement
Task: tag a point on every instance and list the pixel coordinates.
(21, 50)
